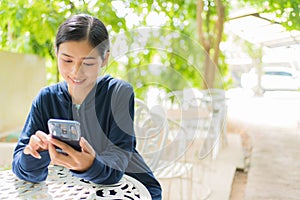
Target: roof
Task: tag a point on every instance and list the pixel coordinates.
(262, 29)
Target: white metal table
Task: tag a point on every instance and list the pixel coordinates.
(60, 184)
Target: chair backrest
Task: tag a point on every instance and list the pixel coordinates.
(215, 100)
(161, 141)
(190, 111)
(202, 113)
(151, 130)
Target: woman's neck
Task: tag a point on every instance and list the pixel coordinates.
(79, 95)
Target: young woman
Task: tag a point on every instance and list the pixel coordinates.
(104, 106)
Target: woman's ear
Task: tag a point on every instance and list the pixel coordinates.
(56, 51)
(105, 61)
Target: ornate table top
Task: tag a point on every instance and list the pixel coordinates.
(60, 184)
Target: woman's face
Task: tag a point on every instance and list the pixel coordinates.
(79, 64)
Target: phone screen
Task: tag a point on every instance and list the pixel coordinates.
(67, 131)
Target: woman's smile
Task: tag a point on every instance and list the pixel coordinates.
(76, 81)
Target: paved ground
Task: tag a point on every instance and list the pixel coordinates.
(273, 129)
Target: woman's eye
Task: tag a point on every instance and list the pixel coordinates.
(89, 64)
(67, 61)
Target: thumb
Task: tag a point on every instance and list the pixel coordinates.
(86, 147)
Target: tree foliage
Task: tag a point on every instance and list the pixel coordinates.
(287, 12)
(30, 27)
(182, 36)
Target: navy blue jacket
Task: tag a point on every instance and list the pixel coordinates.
(106, 117)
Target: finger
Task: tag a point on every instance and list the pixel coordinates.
(64, 147)
(61, 163)
(59, 158)
(55, 156)
(43, 137)
(30, 151)
(57, 143)
(36, 142)
(85, 145)
(52, 150)
(54, 153)
(35, 139)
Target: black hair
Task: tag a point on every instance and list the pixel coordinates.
(84, 27)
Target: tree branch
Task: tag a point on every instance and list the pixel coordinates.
(200, 25)
(219, 28)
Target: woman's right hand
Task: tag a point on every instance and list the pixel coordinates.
(37, 143)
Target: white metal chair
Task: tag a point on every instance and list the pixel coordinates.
(151, 132)
(215, 100)
(161, 142)
(196, 116)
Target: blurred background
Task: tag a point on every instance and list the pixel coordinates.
(240, 37)
(249, 49)
(245, 47)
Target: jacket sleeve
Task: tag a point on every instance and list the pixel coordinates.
(27, 167)
(110, 164)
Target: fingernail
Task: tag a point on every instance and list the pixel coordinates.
(48, 137)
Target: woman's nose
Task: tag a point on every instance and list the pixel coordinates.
(76, 68)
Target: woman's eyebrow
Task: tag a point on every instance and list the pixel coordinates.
(83, 58)
(64, 54)
(88, 57)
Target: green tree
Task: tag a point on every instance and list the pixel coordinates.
(175, 69)
(211, 16)
(30, 26)
(287, 11)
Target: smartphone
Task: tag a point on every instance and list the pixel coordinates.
(67, 131)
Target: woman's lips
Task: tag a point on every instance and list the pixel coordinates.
(77, 81)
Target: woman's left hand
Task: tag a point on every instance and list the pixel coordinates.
(74, 160)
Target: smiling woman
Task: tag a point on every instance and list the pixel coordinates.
(103, 105)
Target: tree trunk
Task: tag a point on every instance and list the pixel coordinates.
(210, 41)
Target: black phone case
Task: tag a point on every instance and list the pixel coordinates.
(67, 131)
